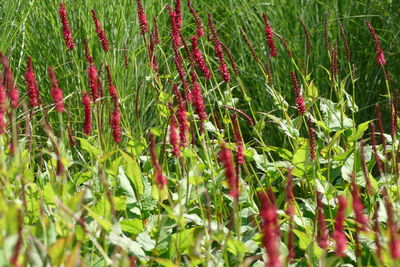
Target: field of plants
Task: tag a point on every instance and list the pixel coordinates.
(199, 133)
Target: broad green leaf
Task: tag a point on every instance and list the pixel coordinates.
(133, 172)
(159, 194)
(333, 117)
(132, 226)
(236, 247)
(304, 239)
(361, 128)
(126, 185)
(88, 147)
(165, 262)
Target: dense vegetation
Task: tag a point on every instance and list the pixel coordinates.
(210, 133)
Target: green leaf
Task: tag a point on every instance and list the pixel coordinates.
(159, 194)
(132, 226)
(133, 172)
(304, 239)
(165, 262)
(360, 131)
(236, 247)
(126, 185)
(88, 147)
(333, 117)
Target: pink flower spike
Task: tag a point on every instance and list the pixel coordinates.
(31, 84)
(56, 92)
(69, 41)
(225, 157)
(100, 32)
(339, 235)
(142, 18)
(87, 125)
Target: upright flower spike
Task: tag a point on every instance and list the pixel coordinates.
(238, 140)
(173, 133)
(301, 108)
(322, 230)
(31, 84)
(394, 243)
(176, 39)
(9, 83)
(100, 32)
(380, 56)
(198, 101)
(155, 32)
(394, 112)
(339, 235)
(111, 88)
(307, 34)
(365, 169)
(115, 122)
(311, 134)
(270, 36)
(225, 157)
(346, 43)
(178, 13)
(182, 75)
(270, 228)
(159, 178)
(182, 117)
(93, 76)
(3, 108)
(199, 59)
(290, 210)
(377, 233)
(375, 149)
(223, 69)
(87, 125)
(142, 18)
(358, 206)
(69, 41)
(56, 92)
(71, 137)
(199, 26)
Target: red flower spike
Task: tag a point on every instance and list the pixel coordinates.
(182, 75)
(238, 140)
(142, 18)
(9, 83)
(199, 59)
(111, 88)
(270, 36)
(199, 26)
(338, 235)
(176, 39)
(87, 125)
(178, 13)
(225, 157)
(380, 56)
(358, 206)
(311, 134)
(270, 228)
(56, 92)
(219, 51)
(3, 125)
(301, 108)
(198, 101)
(100, 32)
(290, 210)
(173, 134)
(69, 41)
(377, 233)
(115, 122)
(159, 178)
(322, 231)
(31, 84)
